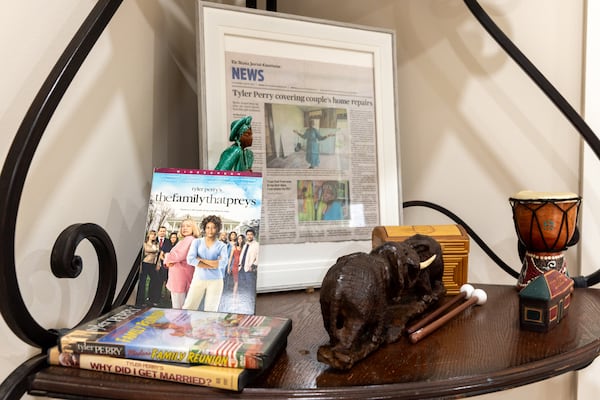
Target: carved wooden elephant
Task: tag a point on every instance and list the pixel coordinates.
(363, 297)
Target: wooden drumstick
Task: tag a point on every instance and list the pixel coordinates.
(479, 297)
(466, 291)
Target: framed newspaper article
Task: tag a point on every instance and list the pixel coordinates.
(322, 100)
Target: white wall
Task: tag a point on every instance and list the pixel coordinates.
(129, 109)
(588, 384)
(473, 128)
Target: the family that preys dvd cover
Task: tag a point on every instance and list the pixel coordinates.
(199, 259)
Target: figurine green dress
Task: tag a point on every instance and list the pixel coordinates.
(238, 157)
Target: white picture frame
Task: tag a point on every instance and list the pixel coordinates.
(287, 266)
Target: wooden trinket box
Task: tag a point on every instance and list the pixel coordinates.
(455, 248)
(544, 302)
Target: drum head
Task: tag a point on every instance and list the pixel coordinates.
(530, 195)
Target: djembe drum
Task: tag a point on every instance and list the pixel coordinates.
(546, 223)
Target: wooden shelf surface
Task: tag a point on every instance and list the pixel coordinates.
(482, 350)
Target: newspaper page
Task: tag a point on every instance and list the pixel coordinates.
(314, 142)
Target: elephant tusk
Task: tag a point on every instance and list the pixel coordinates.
(427, 263)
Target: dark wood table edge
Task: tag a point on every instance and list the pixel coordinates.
(76, 385)
(61, 382)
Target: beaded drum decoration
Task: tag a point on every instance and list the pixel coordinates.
(545, 223)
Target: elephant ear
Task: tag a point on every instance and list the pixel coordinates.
(420, 248)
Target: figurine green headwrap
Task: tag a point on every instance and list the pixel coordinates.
(238, 127)
(236, 158)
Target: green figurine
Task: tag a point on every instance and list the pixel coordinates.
(238, 157)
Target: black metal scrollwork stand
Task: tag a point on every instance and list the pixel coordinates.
(12, 179)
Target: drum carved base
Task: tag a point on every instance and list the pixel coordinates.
(535, 264)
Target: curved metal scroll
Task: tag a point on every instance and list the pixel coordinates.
(15, 385)
(17, 164)
(66, 264)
